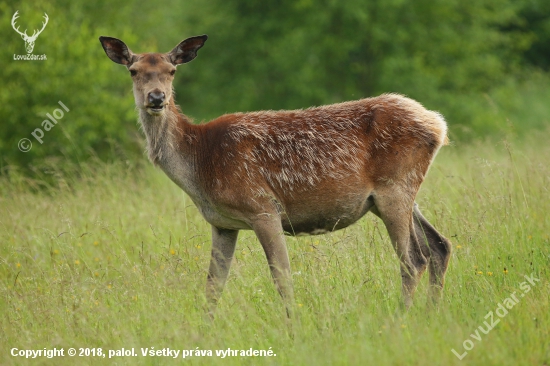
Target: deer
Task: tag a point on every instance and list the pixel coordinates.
(293, 172)
(29, 40)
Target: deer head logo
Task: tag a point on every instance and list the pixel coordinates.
(29, 40)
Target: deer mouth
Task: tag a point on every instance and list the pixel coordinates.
(155, 110)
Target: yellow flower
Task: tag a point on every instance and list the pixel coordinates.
(300, 305)
(96, 259)
(403, 326)
(172, 252)
(529, 237)
(18, 265)
(96, 243)
(196, 258)
(77, 262)
(55, 251)
(109, 286)
(479, 273)
(505, 271)
(96, 274)
(197, 246)
(458, 246)
(489, 273)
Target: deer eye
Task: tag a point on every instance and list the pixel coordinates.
(172, 72)
(133, 72)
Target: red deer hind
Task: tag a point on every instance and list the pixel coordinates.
(308, 171)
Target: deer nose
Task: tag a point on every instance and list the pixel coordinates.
(156, 98)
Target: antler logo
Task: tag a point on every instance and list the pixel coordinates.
(29, 40)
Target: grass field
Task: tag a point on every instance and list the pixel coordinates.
(117, 258)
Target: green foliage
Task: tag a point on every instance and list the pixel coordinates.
(534, 24)
(75, 74)
(473, 61)
(450, 55)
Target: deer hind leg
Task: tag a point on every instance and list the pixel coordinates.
(437, 247)
(395, 209)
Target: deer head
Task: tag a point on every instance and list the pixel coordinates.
(152, 73)
(29, 41)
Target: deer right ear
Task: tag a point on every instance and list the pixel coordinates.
(116, 50)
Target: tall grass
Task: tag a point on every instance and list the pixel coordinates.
(117, 257)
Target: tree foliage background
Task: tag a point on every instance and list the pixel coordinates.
(484, 64)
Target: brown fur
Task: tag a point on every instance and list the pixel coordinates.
(295, 172)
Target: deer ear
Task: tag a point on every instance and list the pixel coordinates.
(116, 50)
(187, 50)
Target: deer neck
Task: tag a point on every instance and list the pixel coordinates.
(170, 139)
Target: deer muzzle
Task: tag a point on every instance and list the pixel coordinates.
(156, 102)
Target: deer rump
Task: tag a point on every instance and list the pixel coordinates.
(318, 168)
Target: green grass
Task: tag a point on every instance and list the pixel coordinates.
(118, 257)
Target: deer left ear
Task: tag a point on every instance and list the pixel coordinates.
(187, 49)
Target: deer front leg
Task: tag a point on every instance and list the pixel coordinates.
(270, 233)
(223, 248)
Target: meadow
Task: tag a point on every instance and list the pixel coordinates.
(115, 256)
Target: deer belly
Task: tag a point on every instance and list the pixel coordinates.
(322, 219)
(216, 219)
